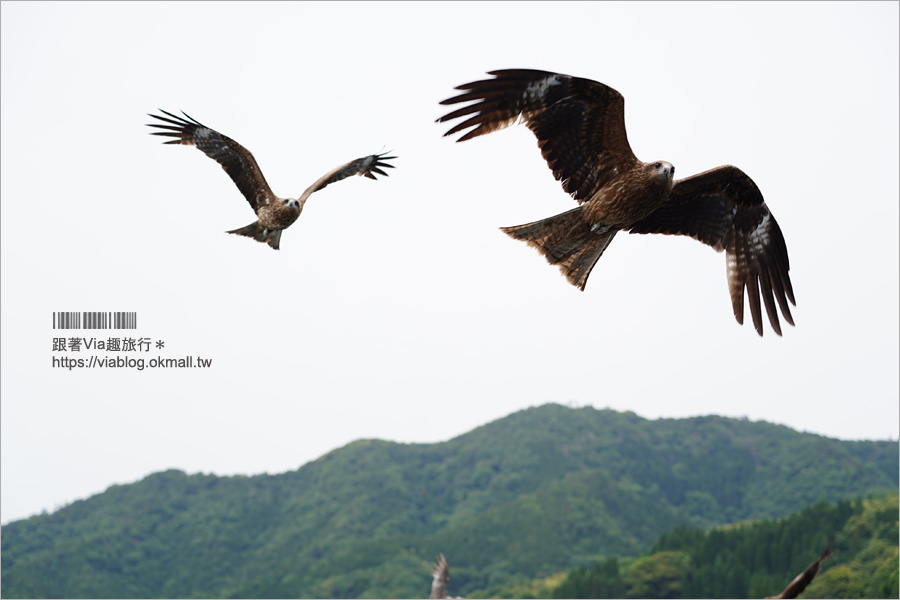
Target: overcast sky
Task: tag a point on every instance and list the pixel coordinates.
(396, 309)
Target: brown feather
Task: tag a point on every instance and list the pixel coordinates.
(566, 240)
(724, 209)
(579, 123)
(236, 160)
(365, 166)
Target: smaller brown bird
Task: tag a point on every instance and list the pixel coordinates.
(441, 575)
(796, 587)
(275, 214)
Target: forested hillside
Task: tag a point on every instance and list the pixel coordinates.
(535, 493)
(751, 560)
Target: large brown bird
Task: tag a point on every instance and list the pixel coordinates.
(580, 127)
(275, 214)
(796, 587)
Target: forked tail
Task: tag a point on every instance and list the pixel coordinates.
(259, 233)
(567, 240)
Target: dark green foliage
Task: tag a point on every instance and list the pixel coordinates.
(526, 496)
(760, 559)
(659, 575)
(597, 580)
(868, 547)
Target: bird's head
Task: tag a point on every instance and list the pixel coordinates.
(662, 171)
(292, 203)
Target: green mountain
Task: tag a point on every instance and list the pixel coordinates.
(529, 495)
(749, 560)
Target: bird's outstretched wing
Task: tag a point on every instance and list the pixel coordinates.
(237, 161)
(366, 166)
(798, 585)
(441, 575)
(724, 209)
(579, 123)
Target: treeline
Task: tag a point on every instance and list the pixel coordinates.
(527, 496)
(752, 560)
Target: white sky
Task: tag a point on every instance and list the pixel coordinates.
(396, 309)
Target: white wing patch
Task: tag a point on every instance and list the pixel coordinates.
(368, 161)
(537, 90)
(759, 237)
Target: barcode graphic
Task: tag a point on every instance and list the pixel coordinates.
(95, 320)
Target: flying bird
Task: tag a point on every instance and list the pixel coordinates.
(275, 214)
(441, 577)
(580, 127)
(796, 587)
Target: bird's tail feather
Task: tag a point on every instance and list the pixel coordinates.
(259, 233)
(567, 240)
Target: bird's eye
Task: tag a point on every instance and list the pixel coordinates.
(657, 165)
